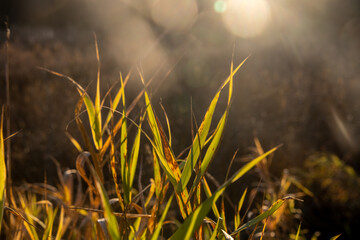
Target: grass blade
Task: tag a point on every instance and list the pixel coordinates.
(237, 218)
(198, 143)
(114, 174)
(49, 223)
(135, 154)
(112, 224)
(209, 194)
(250, 165)
(97, 126)
(160, 223)
(60, 226)
(193, 222)
(298, 232)
(275, 206)
(335, 237)
(123, 160)
(216, 230)
(2, 170)
(157, 144)
(74, 142)
(200, 138)
(210, 151)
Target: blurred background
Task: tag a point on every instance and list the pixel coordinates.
(300, 87)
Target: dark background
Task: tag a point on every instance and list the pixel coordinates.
(300, 87)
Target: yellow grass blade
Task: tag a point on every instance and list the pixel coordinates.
(2, 170)
(298, 232)
(80, 162)
(237, 219)
(335, 237)
(97, 116)
(74, 142)
(114, 174)
(60, 226)
(208, 195)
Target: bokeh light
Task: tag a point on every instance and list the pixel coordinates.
(220, 6)
(246, 18)
(174, 14)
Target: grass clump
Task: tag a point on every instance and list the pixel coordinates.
(178, 186)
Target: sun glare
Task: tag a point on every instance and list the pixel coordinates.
(174, 14)
(246, 18)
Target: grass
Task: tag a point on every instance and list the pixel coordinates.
(178, 187)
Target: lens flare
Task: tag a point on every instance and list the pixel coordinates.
(174, 14)
(220, 6)
(246, 18)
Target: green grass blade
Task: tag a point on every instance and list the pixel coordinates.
(157, 142)
(49, 223)
(94, 119)
(181, 196)
(193, 222)
(112, 224)
(160, 223)
(152, 121)
(210, 151)
(237, 218)
(275, 206)
(123, 159)
(233, 73)
(157, 145)
(114, 105)
(93, 114)
(208, 195)
(98, 122)
(216, 139)
(203, 131)
(61, 224)
(124, 163)
(216, 230)
(250, 165)
(135, 154)
(157, 175)
(198, 143)
(2, 171)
